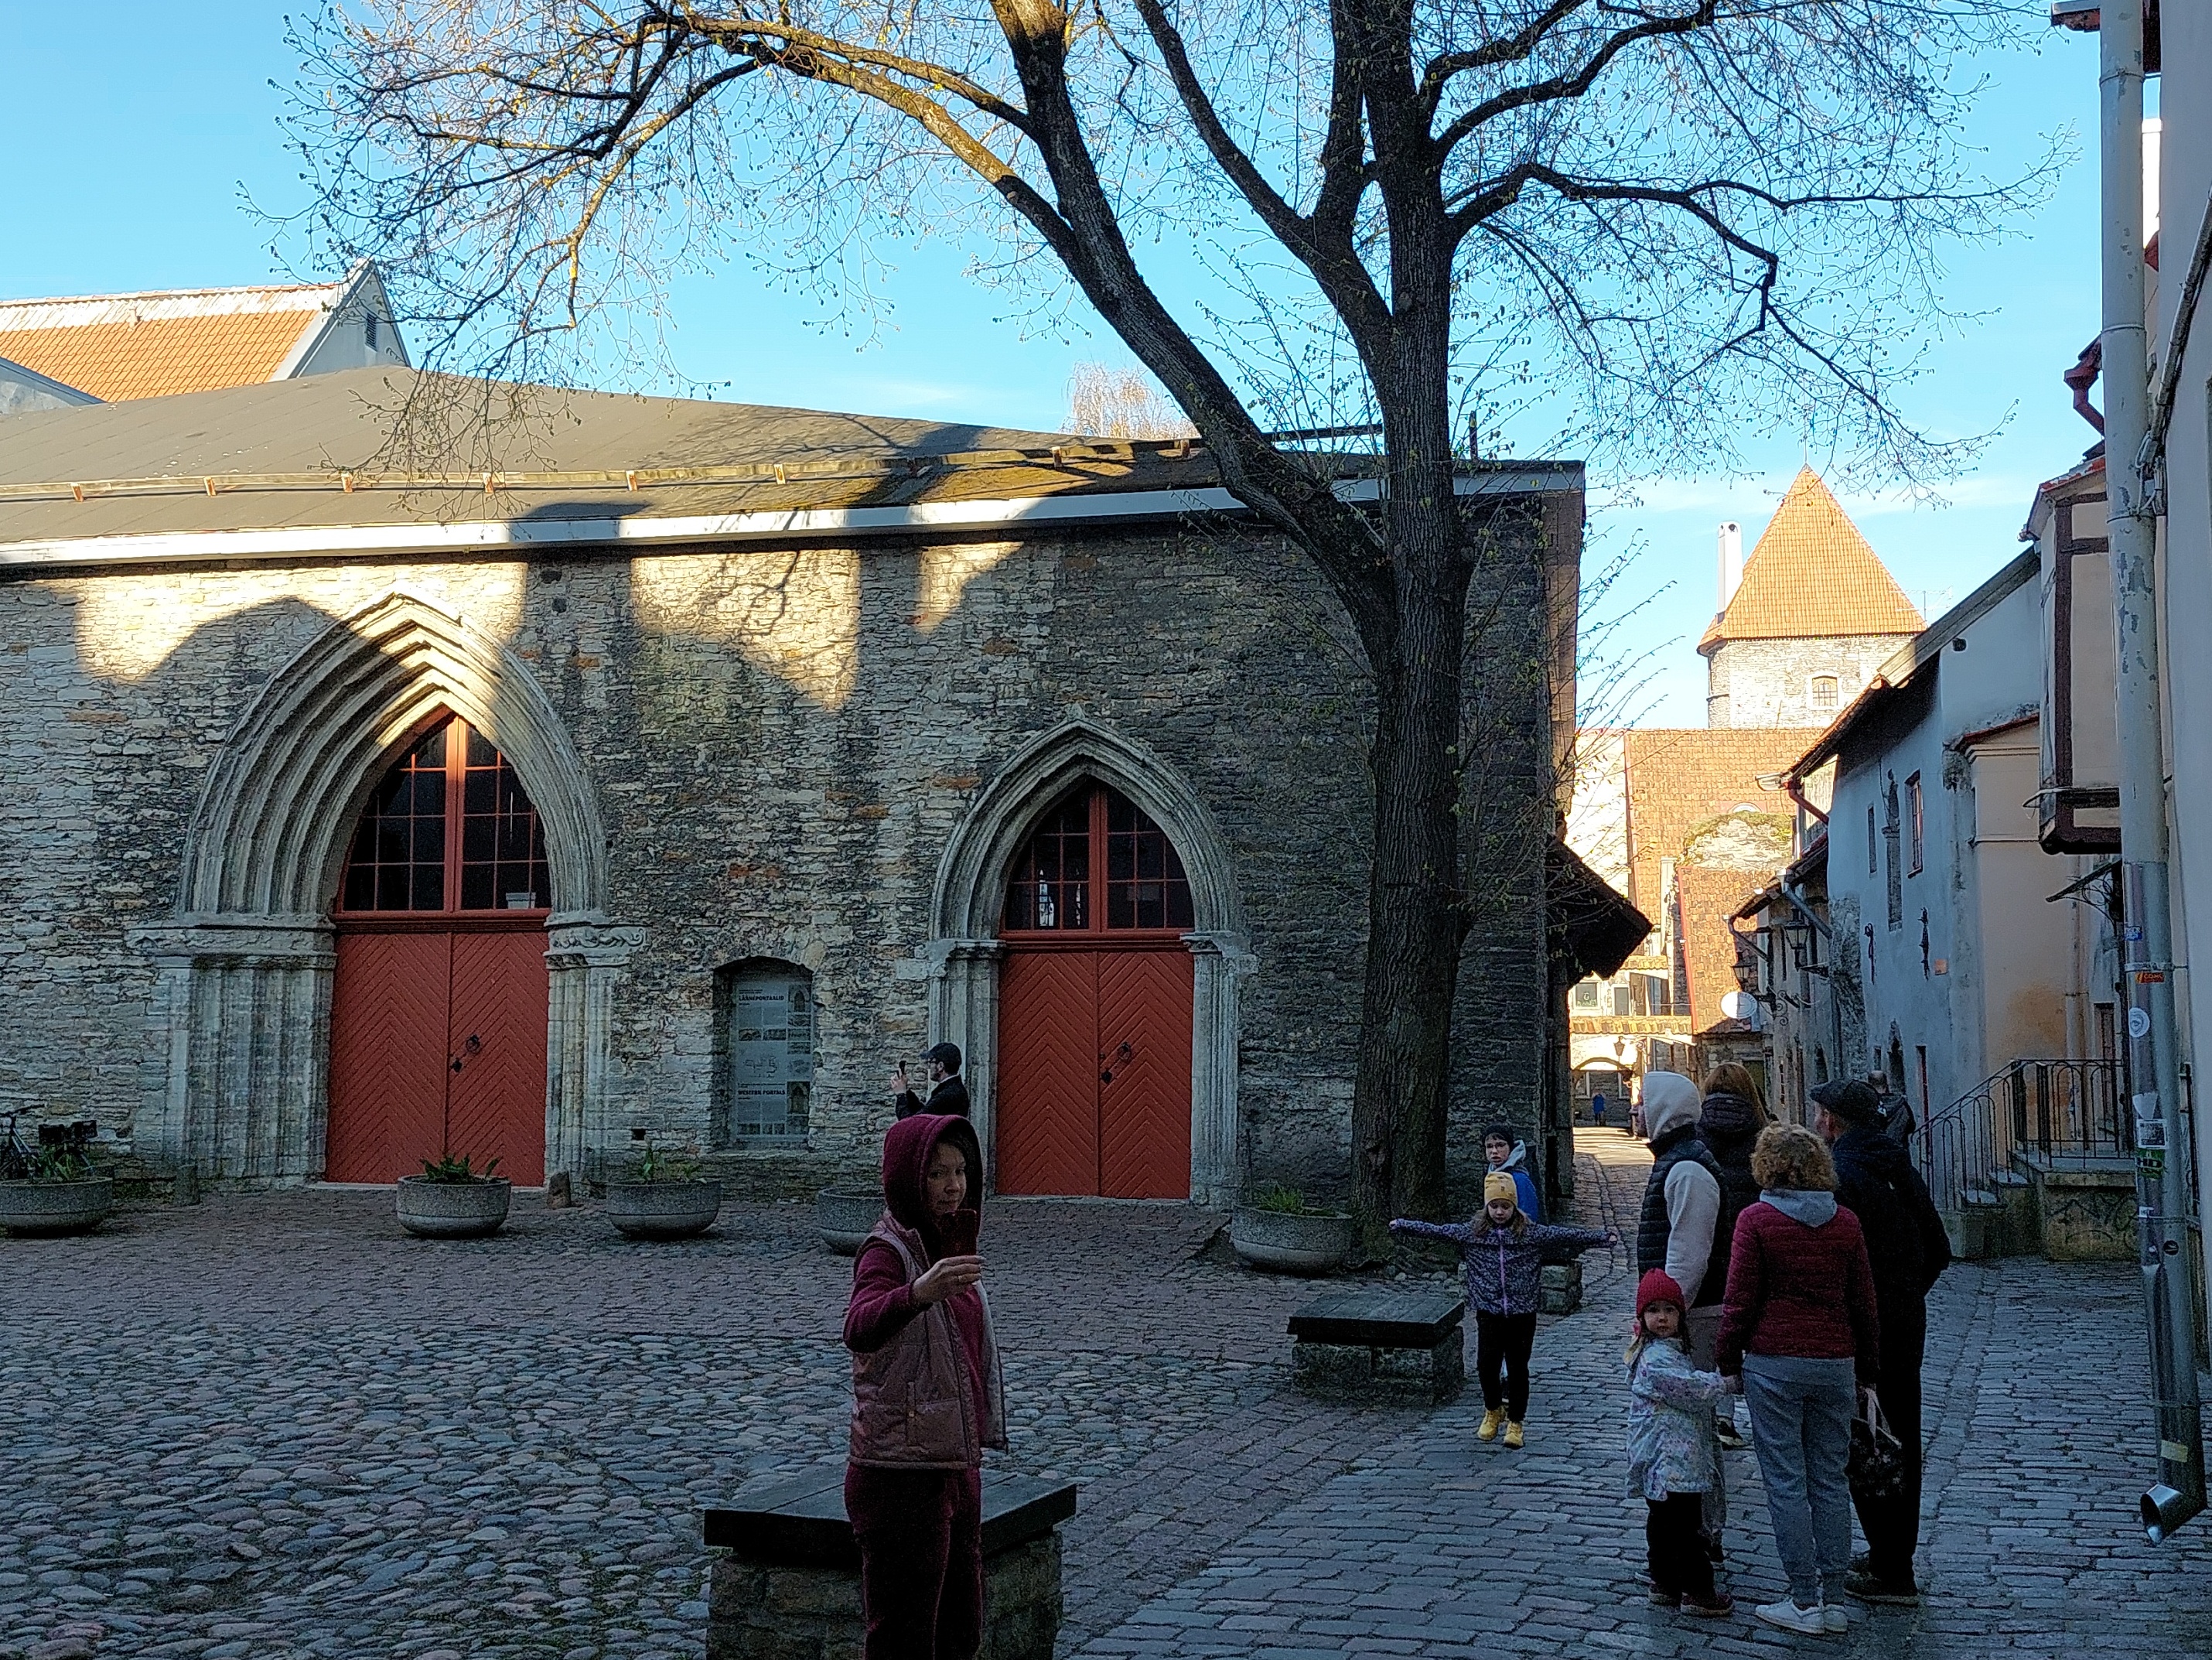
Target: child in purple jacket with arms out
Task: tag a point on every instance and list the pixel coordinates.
(1504, 1250)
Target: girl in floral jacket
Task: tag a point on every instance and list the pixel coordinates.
(1673, 1455)
(1503, 1251)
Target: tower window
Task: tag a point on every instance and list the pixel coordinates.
(1825, 691)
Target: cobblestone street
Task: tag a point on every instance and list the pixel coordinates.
(272, 1427)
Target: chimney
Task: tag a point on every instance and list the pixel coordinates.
(1731, 539)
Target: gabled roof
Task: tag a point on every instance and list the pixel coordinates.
(24, 388)
(390, 459)
(1812, 576)
(123, 346)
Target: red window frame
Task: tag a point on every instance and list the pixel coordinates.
(1095, 894)
(456, 838)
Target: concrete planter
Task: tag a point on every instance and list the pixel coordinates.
(1290, 1243)
(453, 1210)
(663, 1210)
(847, 1216)
(50, 1207)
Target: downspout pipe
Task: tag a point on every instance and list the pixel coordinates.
(2161, 1181)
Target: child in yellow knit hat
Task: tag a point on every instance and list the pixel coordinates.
(1504, 1254)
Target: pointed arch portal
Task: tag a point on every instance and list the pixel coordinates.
(1127, 842)
(247, 963)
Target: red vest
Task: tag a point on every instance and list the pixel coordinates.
(913, 1401)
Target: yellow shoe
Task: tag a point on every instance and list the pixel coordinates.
(1490, 1420)
(1513, 1436)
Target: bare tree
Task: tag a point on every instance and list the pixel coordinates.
(1105, 402)
(1629, 220)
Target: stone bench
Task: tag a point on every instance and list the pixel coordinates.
(786, 1582)
(1381, 1346)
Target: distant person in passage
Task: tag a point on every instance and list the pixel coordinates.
(1504, 1252)
(948, 1096)
(927, 1398)
(1597, 1109)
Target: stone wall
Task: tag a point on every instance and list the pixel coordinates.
(778, 746)
(1769, 682)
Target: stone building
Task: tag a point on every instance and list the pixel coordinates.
(1690, 822)
(669, 778)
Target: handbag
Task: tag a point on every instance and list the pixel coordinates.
(1876, 1468)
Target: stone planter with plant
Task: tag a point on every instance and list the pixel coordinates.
(1277, 1232)
(663, 1198)
(449, 1200)
(53, 1190)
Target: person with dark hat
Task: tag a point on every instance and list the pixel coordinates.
(1906, 1249)
(948, 1096)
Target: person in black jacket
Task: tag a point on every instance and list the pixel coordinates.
(948, 1096)
(1728, 1124)
(1907, 1248)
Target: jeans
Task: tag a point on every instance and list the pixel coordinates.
(1676, 1547)
(1800, 1426)
(1893, 1525)
(1505, 1339)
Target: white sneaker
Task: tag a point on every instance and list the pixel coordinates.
(1833, 1619)
(1806, 1622)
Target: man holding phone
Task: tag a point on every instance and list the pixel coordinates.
(947, 1094)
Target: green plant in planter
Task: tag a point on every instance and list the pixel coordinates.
(59, 1164)
(665, 1165)
(1279, 1200)
(453, 1167)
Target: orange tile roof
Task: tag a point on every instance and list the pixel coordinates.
(1811, 575)
(1708, 898)
(119, 347)
(1682, 778)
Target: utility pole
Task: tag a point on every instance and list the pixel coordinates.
(2147, 948)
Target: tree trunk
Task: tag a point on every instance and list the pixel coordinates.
(1416, 916)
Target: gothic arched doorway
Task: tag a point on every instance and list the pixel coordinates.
(437, 1014)
(1095, 997)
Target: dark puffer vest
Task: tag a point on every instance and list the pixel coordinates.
(1654, 1227)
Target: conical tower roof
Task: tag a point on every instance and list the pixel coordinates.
(1812, 576)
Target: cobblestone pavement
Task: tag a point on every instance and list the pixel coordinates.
(1433, 1544)
(271, 1427)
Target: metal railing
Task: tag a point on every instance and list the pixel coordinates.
(2064, 1112)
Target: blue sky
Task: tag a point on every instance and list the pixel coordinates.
(133, 151)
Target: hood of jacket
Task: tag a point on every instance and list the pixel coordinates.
(1724, 1119)
(1815, 1210)
(1670, 1101)
(907, 1150)
(1516, 1159)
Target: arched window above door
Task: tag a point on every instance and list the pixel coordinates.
(449, 830)
(1097, 863)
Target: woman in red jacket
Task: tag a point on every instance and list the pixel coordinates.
(1798, 1328)
(927, 1398)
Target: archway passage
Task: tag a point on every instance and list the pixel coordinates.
(438, 1016)
(1095, 1000)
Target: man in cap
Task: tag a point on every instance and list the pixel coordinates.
(1906, 1248)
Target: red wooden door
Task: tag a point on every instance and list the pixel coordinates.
(1144, 1073)
(387, 1102)
(495, 1036)
(1048, 1104)
(439, 1007)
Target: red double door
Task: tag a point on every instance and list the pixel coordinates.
(1093, 1094)
(437, 1045)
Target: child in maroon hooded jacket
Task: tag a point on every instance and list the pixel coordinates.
(927, 1398)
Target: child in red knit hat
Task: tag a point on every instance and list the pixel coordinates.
(1673, 1455)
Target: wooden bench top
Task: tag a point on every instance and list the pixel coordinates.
(799, 1521)
(1379, 1319)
